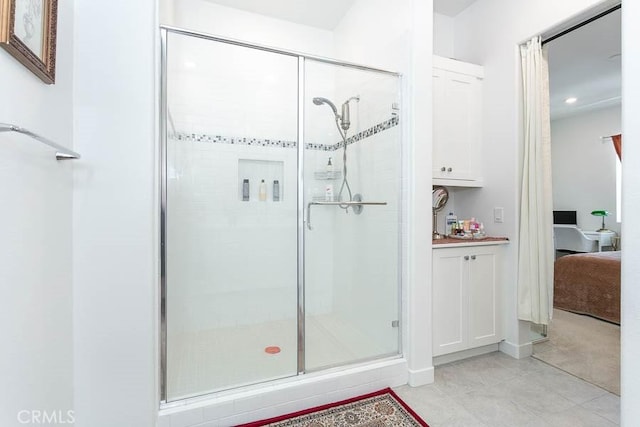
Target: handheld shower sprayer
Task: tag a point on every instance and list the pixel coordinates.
(343, 122)
(345, 117)
(320, 100)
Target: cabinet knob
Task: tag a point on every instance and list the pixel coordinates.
(473, 257)
(466, 257)
(443, 169)
(449, 169)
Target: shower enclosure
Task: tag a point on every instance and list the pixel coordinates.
(281, 214)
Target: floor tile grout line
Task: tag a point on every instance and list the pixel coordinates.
(575, 376)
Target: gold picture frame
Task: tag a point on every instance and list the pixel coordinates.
(28, 32)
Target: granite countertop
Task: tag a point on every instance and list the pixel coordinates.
(486, 241)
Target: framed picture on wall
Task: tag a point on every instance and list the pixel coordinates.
(28, 32)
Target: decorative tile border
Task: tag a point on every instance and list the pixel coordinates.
(259, 142)
(387, 124)
(235, 140)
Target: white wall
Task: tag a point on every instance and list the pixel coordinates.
(584, 166)
(36, 361)
(630, 316)
(115, 214)
(488, 33)
(205, 16)
(443, 35)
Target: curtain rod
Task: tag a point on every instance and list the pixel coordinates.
(603, 138)
(582, 24)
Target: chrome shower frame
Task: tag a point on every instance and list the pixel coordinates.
(162, 151)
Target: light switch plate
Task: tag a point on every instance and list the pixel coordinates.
(498, 214)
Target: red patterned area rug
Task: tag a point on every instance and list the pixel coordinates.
(379, 409)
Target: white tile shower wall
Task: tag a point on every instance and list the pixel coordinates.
(366, 286)
(377, 93)
(229, 262)
(227, 91)
(221, 89)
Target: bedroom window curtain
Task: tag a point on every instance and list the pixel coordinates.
(617, 145)
(536, 250)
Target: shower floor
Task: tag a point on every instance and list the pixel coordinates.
(224, 358)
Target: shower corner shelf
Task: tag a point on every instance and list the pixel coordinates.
(326, 175)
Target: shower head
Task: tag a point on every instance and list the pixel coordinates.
(320, 101)
(345, 118)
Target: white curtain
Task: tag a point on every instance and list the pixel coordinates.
(536, 249)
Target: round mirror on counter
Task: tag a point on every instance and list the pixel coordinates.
(439, 198)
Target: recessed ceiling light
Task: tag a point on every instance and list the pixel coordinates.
(570, 100)
(189, 64)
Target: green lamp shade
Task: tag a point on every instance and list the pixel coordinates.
(602, 214)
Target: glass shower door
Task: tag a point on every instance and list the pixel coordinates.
(231, 216)
(352, 280)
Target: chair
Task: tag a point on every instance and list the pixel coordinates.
(571, 238)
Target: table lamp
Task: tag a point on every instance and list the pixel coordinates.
(603, 214)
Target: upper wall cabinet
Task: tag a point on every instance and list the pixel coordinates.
(457, 127)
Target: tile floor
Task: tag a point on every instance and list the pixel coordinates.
(497, 390)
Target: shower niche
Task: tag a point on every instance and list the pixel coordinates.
(252, 174)
(244, 272)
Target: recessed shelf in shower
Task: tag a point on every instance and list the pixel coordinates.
(256, 170)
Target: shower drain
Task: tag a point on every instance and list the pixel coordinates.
(272, 349)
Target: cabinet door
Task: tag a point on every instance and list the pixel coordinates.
(456, 125)
(484, 296)
(450, 307)
(440, 114)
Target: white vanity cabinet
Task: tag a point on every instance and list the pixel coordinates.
(457, 129)
(467, 292)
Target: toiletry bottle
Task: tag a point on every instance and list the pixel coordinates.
(452, 223)
(276, 191)
(262, 191)
(329, 168)
(328, 193)
(245, 190)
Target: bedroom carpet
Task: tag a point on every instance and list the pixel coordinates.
(585, 347)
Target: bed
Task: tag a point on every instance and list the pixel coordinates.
(589, 283)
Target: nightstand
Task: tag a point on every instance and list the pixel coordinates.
(604, 238)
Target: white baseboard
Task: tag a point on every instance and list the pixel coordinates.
(421, 377)
(517, 351)
(464, 354)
